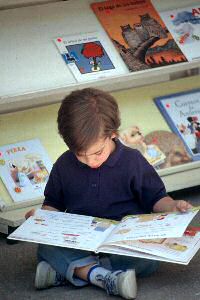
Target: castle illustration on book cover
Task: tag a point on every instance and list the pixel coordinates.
(138, 33)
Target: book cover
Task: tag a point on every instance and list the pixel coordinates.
(133, 138)
(24, 169)
(182, 113)
(138, 33)
(171, 145)
(159, 234)
(88, 56)
(184, 25)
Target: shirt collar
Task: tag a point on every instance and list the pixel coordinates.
(115, 155)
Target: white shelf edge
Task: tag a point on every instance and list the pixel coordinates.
(9, 4)
(179, 168)
(181, 176)
(11, 103)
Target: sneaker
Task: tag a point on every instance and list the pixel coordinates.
(46, 276)
(121, 283)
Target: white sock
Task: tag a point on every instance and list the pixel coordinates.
(96, 275)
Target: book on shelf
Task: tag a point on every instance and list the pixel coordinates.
(184, 25)
(171, 145)
(182, 113)
(138, 33)
(159, 236)
(24, 169)
(133, 138)
(88, 57)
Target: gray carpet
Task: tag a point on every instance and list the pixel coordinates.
(171, 282)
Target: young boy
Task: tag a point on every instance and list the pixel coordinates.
(98, 176)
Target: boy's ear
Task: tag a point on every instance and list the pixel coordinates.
(114, 135)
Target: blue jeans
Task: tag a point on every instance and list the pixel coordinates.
(65, 260)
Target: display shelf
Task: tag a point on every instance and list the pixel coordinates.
(41, 123)
(5, 4)
(13, 218)
(33, 72)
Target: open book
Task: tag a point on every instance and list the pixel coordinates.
(157, 236)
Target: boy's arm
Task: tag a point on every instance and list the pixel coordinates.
(47, 207)
(168, 204)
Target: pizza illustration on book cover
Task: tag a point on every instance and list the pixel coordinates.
(138, 33)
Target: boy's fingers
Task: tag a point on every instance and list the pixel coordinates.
(183, 205)
(30, 213)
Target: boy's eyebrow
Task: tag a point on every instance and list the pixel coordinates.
(84, 154)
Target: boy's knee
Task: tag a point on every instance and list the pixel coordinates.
(148, 268)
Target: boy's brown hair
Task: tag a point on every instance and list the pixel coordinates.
(85, 115)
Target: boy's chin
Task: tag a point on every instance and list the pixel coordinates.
(95, 167)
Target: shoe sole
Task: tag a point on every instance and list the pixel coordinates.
(40, 279)
(130, 286)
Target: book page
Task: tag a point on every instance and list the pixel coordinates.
(63, 229)
(24, 169)
(177, 250)
(151, 226)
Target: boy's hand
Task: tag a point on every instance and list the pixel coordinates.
(181, 205)
(30, 213)
(168, 204)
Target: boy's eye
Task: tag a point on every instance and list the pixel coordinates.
(99, 153)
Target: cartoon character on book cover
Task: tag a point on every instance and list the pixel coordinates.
(184, 25)
(191, 131)
(138, 33)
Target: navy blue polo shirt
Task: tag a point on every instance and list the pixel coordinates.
(124, 184)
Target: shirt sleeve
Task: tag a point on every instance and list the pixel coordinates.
(53, 191)
(146, 185)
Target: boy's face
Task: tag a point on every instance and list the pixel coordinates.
(98, 153)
